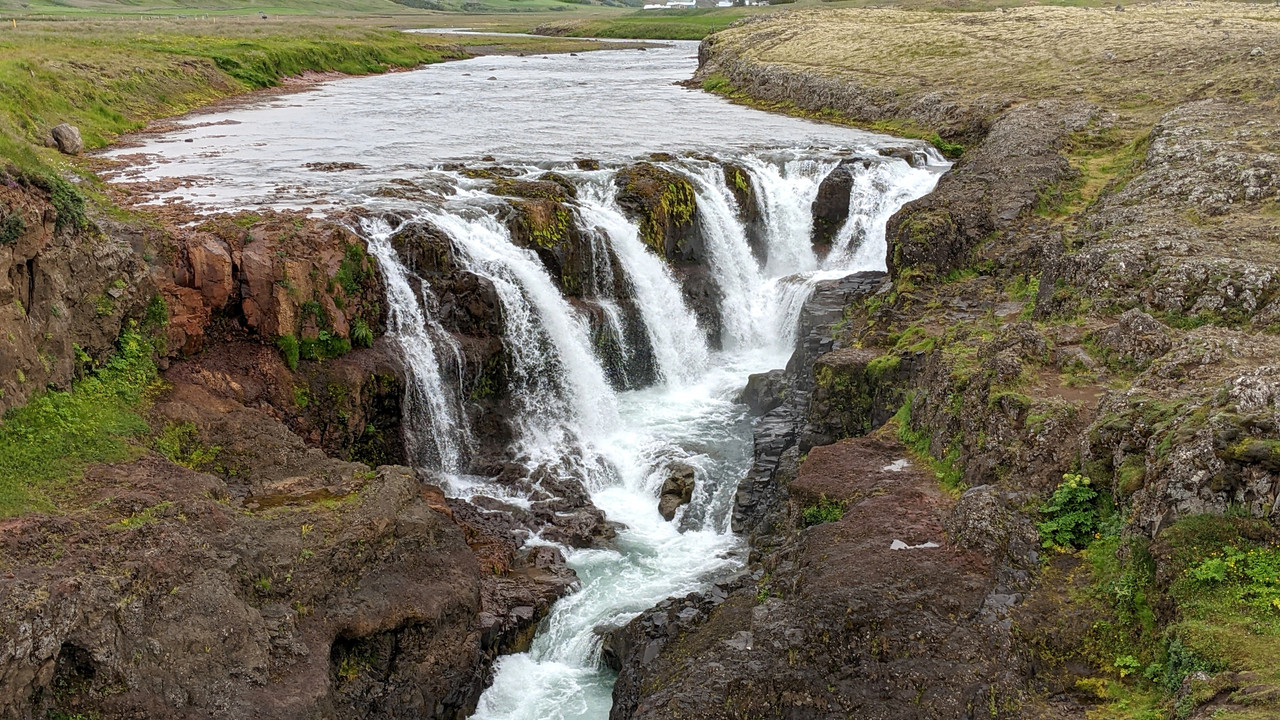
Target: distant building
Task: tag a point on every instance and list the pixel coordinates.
(673, 5)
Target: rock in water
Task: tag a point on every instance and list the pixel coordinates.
(68, 139)
(677, 490)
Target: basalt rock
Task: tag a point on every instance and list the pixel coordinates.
(842, 625)
(198, 608)
(61, 288)
(831, 206)
(677, 490)
(664, 204)
(992, 186)
(738, 180)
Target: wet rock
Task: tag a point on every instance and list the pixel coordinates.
(831, 206)
(68, 139)
(677, 490)
(764, 391)
(738, 180)
(664, 204)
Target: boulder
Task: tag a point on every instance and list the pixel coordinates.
(68, 139)
(831, 206)
(677, 489)
(764, 391)
(1136, 339)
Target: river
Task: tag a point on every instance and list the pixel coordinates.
(341, 144)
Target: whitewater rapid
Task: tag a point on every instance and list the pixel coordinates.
(400, 144)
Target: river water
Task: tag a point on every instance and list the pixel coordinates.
(342, 144)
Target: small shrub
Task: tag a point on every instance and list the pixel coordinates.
(1070, 515)
(824, 511)
(361, 333)
(11, 226)
(288, 345)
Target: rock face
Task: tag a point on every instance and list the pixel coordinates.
(60, 289)
(663, 203)
(67, 138)
(831, 206)
(277, 600)
(677, 490)
(845, 626)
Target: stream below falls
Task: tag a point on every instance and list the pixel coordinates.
(402, 150)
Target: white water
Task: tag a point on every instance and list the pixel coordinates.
(560, 388)
(548, 111)
(876, 195)
(679, 346)
(438, 433)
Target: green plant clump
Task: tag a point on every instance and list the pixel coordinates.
(824, 511)
(1070, 515)
(53, 437)
(11, 226)
(181, 444)
(288, 345)
(361, 333)
(326, 345)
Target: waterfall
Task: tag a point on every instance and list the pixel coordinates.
(557, 384)
(876, 194)
(728, 254)
(437, 433)
(679, 346)
(786, 193)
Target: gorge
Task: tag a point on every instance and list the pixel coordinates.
(573, 334)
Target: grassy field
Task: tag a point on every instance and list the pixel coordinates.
(111, 76)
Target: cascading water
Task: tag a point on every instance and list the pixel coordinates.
(876, 194)
(679, 346)
(568, 418)
(438, 435)
(558, 385)
(786, 191)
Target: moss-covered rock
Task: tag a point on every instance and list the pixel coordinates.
(664, 204)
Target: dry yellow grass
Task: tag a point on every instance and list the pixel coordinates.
(1139, 61)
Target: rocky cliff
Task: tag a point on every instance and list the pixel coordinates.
(1087, 295)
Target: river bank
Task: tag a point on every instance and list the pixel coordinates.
(1073, 318)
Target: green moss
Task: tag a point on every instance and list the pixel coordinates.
(181, 444)
(948, 149)
(947, 468)
(354, 272)
(50, 440)
(882, 366)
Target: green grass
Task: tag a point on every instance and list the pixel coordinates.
(109, 77)
(51, 439)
